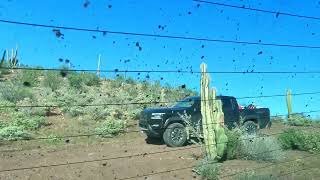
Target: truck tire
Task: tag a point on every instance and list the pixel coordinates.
(175, 135)
(250, 127)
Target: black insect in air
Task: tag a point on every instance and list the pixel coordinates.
(63, 73)
(183, 86)
(58, 33)
(94, 37)
(109, 6)
(86, 3)
(259, 53)
(60, 60)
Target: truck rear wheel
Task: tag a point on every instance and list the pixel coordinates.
(175, 135)
(250, 127)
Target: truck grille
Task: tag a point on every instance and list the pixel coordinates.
(143, 118)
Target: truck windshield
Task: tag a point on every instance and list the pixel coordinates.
(185, 103)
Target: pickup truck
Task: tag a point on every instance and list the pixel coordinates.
(168, 124)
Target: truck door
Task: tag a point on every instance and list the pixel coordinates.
(196, 115)
(231, 112)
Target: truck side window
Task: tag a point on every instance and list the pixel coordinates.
(226, 103)
(233, 103)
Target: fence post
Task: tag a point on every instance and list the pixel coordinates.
(98, 70)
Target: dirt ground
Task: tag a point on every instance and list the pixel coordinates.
(129, 157)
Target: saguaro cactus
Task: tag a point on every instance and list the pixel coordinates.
(3, 59)
(289, 103)
(214, 135)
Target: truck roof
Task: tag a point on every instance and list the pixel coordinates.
(197, 98)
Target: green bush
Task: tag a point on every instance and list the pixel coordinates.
(11, 133)
(52, 80)
(2, 124)
(260, 148)
(233, 145)
(208, 169)
(14, 93)
(78, 80)
(300, 140)
(28, 123)
(31, 111)
(4, 102)
(29, 77)
(299, 120)
(110, 128)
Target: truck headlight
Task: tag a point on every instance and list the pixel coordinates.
(157, 115)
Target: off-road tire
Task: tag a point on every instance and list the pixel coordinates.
(250, 127)
(175, 135)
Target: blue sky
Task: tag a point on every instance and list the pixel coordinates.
(40, 46)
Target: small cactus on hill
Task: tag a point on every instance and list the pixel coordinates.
(289, 103)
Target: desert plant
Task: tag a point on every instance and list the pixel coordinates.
(4, 65)
(11, 133)
(212, 119)
(289, 103)
(29, 78)
(28, 110)
(300, 140)
(14, 93)
(52, 80)
(260, 148)
(299, 120)
(28, 123)
(208, 169)
(7, 103)
(78, 80)
(193, 130)
(110, 128)
(234, 143)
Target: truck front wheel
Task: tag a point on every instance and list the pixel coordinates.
(250, 127)
(175, 135)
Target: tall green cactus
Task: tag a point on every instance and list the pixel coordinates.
(3, 59)
(212, 119)
(289, 103)
(220, 134)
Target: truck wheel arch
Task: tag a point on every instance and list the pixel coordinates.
(173, 120)
(251, 119)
